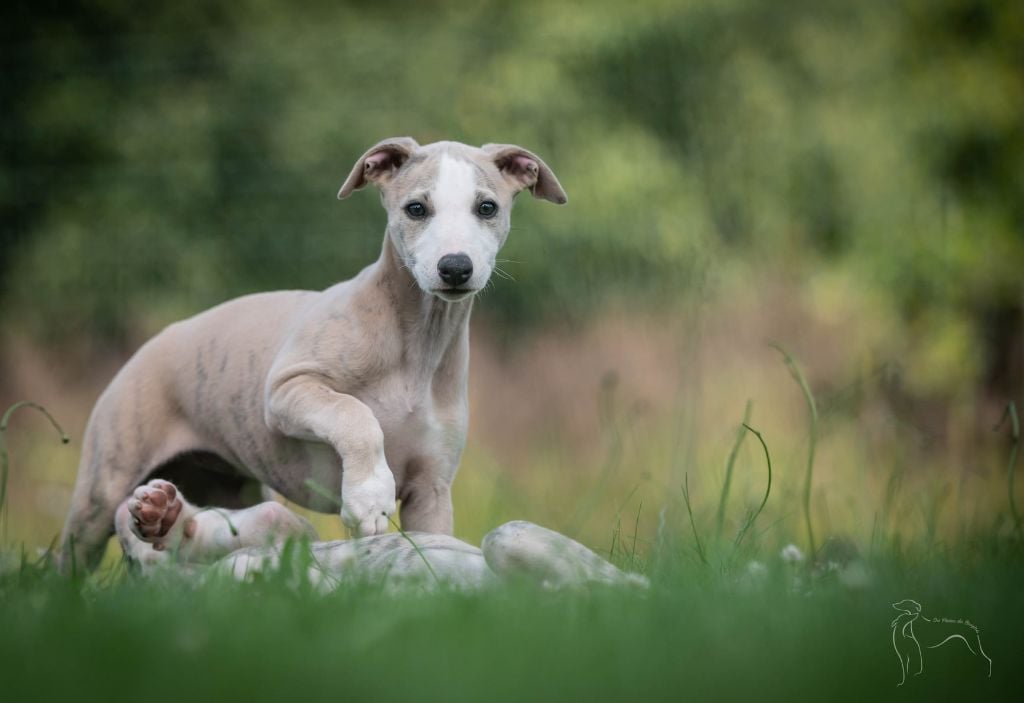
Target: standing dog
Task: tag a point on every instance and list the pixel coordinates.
(359, 389)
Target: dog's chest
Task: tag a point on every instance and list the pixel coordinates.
(416, 424)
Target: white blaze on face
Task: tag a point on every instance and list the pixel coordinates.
(455, 190)
(455, 227)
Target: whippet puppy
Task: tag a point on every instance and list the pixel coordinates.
(358, 390)
(158, 528)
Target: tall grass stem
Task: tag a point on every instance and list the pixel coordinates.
(693, 524)
(812, 408)
(1011, 468)
(741, 434)
(767, 491)
(4, 460)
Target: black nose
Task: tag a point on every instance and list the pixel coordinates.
(455, 269)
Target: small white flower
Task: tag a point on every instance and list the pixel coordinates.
(753, 577)
(855, 576)
(791, 554)
(756, 570)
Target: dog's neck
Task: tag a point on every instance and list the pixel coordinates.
(437, 330)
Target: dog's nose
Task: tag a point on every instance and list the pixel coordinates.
(455, 269)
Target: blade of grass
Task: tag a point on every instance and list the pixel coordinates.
(4, 462)
(617, 531)
(636, 529)
(608, 417)
(1011, 413)
(320, 490)
(224, 515)
(417, 548)
(767, 491)
(693, 524)
(741, 434)
(615, 538)
(798, 376)
(892, 491)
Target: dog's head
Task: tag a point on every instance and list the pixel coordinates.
(449, 205)
(908, 606)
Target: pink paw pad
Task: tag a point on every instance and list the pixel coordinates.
(154, 508)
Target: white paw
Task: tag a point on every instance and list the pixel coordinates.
(367, 505)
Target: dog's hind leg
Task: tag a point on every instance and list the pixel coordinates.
(129, 434)
(153, 524)
(104, 480)
(523, 550)
(137, 552)
(156, 525)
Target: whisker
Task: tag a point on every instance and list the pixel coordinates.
(504, 274)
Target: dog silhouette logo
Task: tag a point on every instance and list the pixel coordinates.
(911, 628)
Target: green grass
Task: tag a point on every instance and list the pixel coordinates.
(699, 634)
(709, 628)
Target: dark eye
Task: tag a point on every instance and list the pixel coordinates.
(416, 210)
(487, 208)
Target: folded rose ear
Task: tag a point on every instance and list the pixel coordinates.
(524, 169)
(378, 164)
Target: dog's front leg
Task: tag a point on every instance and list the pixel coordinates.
(427, 507)
(303, 407)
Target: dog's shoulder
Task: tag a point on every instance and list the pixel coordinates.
(347, 332)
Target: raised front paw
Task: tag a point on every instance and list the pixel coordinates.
(154, 508)
(367, 504)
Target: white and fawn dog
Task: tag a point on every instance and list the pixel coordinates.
(358, 390)
(157, 527)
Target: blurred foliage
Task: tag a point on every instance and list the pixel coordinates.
(158, 161)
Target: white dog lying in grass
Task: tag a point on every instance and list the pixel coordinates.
(158, 527)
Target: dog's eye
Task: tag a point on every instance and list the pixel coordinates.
(487, 208)
(416, 210)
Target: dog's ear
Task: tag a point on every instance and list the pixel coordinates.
(378, 164)
(524, 169)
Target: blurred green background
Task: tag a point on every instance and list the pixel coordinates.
(843, 178)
